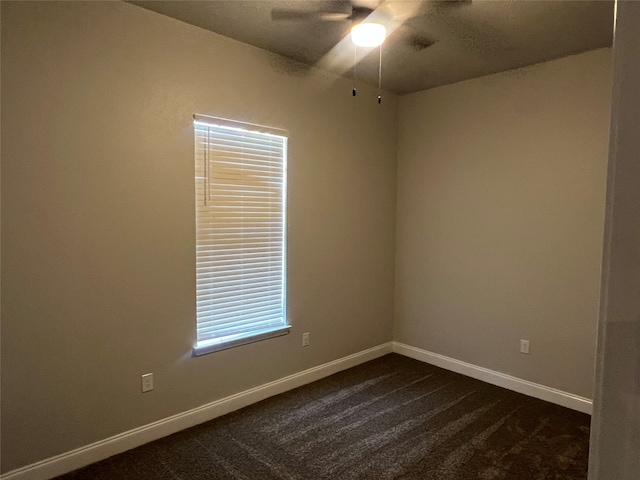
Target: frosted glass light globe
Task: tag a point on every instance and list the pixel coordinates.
(368, 34)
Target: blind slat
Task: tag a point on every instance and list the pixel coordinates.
(247, 293)
(236, 328)
(231, 287)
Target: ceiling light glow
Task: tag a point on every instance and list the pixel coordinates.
(368, 34)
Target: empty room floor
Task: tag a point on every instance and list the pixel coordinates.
(390, 418)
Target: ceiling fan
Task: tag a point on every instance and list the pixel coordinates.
(370, 21)
(387, 11)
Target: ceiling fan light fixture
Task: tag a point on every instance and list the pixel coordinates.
(368, 34)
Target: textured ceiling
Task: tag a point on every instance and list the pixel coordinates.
(431, 42)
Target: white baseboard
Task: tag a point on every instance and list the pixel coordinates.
(97, 451)
(535, 390)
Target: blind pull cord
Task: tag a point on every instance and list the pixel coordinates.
(355, 62)
(380, 76)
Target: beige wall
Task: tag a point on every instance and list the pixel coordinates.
(501, 188)
(98, 218)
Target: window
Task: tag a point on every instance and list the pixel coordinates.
(241, 173)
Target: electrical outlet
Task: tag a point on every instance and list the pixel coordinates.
(524, 346)
(147, 382)
(305, 339)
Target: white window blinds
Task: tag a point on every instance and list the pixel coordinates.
(240, 233)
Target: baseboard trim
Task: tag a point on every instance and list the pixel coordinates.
(80, 457)
(535, 390)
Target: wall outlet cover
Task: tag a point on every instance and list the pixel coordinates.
(147, 382)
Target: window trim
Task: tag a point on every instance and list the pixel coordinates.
(271, 332)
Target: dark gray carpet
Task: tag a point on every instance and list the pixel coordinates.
(393, 417)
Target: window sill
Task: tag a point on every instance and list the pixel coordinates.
(243, 340)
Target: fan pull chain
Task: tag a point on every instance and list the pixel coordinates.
(380, 76)
(355, 62)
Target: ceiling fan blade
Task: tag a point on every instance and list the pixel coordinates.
(367, 4)
(279, 14)
(412, 20)
(453, 3)
(420, 42)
